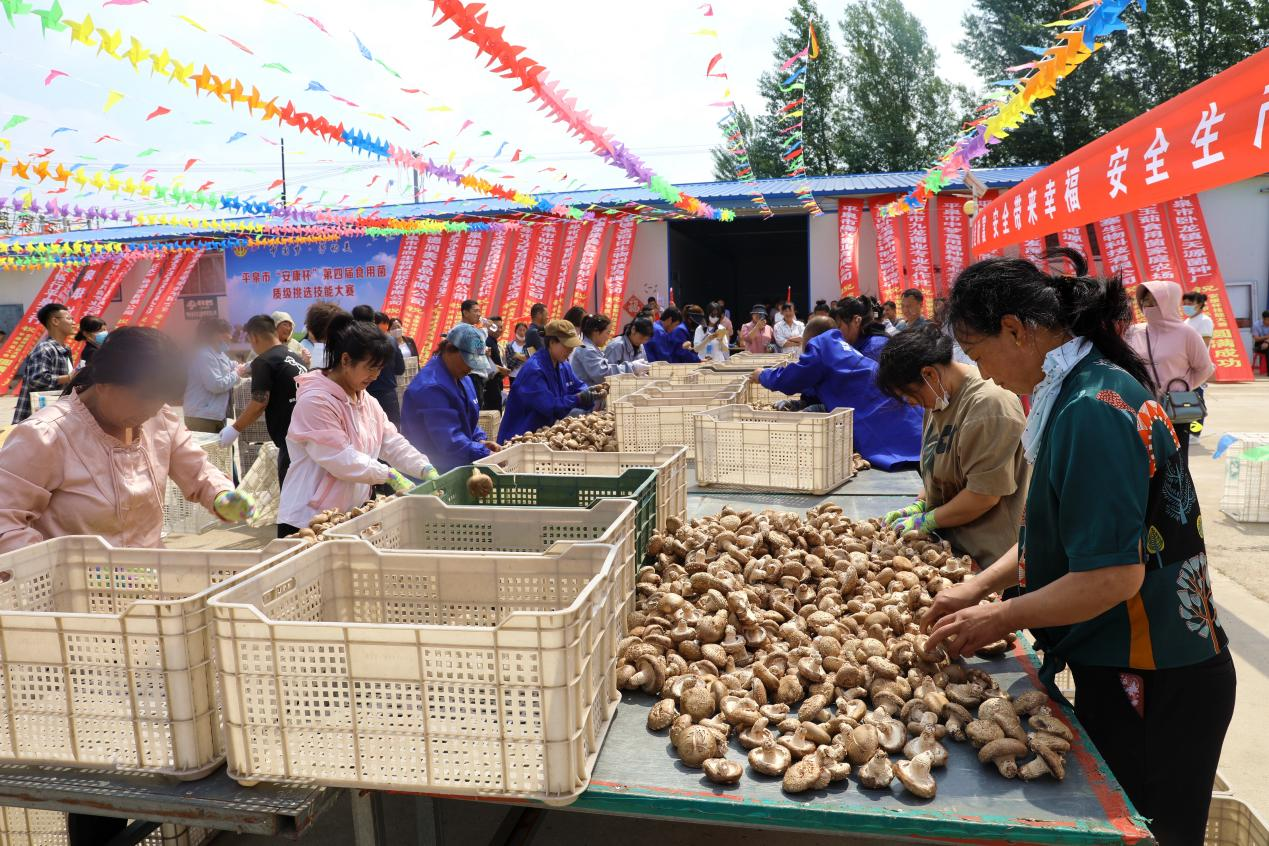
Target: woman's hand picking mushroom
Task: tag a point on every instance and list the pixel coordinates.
(948, 601)
(966, 631)
(922, 522)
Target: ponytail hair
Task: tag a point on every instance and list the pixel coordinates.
(1086, 306)
(136, 357)
(866, 309)
(362, 341)
(594, 323)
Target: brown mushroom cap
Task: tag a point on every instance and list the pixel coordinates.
(722, 771)
(916, 777)
(1030, 702)
(698, 744)
(1004, 754)
(803, 775)
(699, 702)
(1001, 711)
(926, 744)
(862, 744)
(662, 715)
(877, 773)
(1051, 725)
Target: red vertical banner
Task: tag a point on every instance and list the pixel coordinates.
(437, 299)
(416, 293)
(850, 214)
(617, 277)
(920, 261)
(586, 264)
(1118, 257)
(402, 271)
(574, 232)
(953, 242)
(1156, 244)
(492, 269)
(107, 286)
(28, 332)
(1076, 238)
(1199, 272)
(543, 265)
(460, 288)
(171, 283)
(513, 291)
(145, 289)
(889, 254)
(988, 211)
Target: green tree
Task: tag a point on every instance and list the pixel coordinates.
(897, 113)
(763, 155)
(1179, 44)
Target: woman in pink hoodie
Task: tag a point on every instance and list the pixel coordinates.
(339, 432)
(97, 461)
(1173, 351)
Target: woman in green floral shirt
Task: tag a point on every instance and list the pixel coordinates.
(1110, 568)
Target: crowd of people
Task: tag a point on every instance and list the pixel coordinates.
(1075, 506)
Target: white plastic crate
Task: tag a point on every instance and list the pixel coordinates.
(490, 421)
(1246, 494)
(185, 517)
(752, 360)
(670, 462)
(625, 384)
(43, 399)
(655, 417)
(1232, 822)
(37, 827)
(669, 371)
(479, 674)
(261, 481)
(796, 451)
(257, 432)
(106, 657)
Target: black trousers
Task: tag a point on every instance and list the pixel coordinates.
(1166, 758)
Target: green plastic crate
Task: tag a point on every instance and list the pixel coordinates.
(521, 489)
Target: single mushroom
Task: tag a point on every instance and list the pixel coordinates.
(877, 773)
(957, 718)
(927, 743)
(1002, 713)
(756, 735)
(891, 734)
(1051, 725)
(677, 728)
(770, 759)
(661, 715)
(1004, 753)
(798, 743)
(650, 676)
(982, 732)
(803, 775)
(1030, 702)
(862, 744)
(698, 702)
(830, 761)
(722, 771)
(916, 777)
(698, 744)
(479, 485)
(1050, 753)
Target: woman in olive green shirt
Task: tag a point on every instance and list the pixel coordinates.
(973, 472)
(1110, 565)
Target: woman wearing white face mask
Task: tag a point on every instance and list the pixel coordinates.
(406, 345)
(973, 470)
(92, 334)
(711, 337)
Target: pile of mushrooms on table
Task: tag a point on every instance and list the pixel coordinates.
(801, 638)
(594, 432)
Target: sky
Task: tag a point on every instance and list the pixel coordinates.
(638, 69)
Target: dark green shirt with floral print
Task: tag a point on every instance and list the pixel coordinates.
(1110, 487)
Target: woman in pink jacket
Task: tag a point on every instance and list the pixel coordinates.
(97, 461)
(1173, 351)
(339, 432)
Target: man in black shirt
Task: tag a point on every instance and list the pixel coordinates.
(273, 373)
(533, 339)
(492, 398)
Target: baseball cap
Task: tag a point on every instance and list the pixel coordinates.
(471, 343)
(758, 309)
(564, 332)
(282, 317)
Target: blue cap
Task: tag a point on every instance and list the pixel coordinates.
(471, 342)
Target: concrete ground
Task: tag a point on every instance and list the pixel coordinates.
(1239, 553)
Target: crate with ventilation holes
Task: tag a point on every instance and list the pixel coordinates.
(799, 452)
(38, 827)
(655, 417)
(1245, 496)
(183, 516)
(670, 462)
(106, 654)
(1232, 822)
(623, 385)
(490, 421)
(488, 674)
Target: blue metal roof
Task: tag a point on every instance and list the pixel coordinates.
(780, 193)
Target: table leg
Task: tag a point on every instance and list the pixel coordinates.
(428, 821)
(89, 830)
(367, 818)
(135, 833)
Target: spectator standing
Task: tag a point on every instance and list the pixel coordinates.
(1194, 306)
(384, 387)
(209, 389)
(286, 329)
(533, 340)
(48, 367)
(890, 317)
(517, 352)
(911, 302)
(756, 336)
(316, 321)
(788, 330)
(408, 347)
(273, 373)
(492, 399)
(711, 340)
(92, 334)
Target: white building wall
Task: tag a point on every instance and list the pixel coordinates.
(650, 264)
(1238, 222)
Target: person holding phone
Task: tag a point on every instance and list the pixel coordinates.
(757, 336)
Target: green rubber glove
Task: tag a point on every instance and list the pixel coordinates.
(398, 481)
(907, 511)
(923, 522)
(431, 474)
(234, 506)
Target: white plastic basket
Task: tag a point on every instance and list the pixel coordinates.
(490, 421)
(1245, 497)
(625, 384)
(655, 417)
(261, 482)
(670, 371)
(796, 451)
(257, 432)
(489, 674)
(38, 827)
(107, 655)
(670, 462)
(751, 360)
(43, 399)
(1232, 822)
(185, 517)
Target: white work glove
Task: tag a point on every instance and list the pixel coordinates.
(228, 435)
(640, 368)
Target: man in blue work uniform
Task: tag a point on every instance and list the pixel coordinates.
(670, 340)
(440, 415)
(546, 389)
(887, 432)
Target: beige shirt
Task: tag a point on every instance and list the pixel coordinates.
(976, 443)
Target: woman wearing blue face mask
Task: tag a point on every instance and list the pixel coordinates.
(973, 470)
(212, 376)
(92, 334)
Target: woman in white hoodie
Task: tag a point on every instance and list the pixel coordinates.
(338, 432)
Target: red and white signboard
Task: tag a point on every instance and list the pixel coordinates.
(850, 214)
(146, 289)
(513, 291)
(28, 332)
(1118, 256)
(953, 241)
(402, 271)
(420, 285)
(461, 285)
(1155, 237)
(589, 259)
(171, 283)
(920, 262)
(575, 231)
(438, 298)
(1213, 134)
(493, 268)
(618, 276)
(889, 254)
(542, 268)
